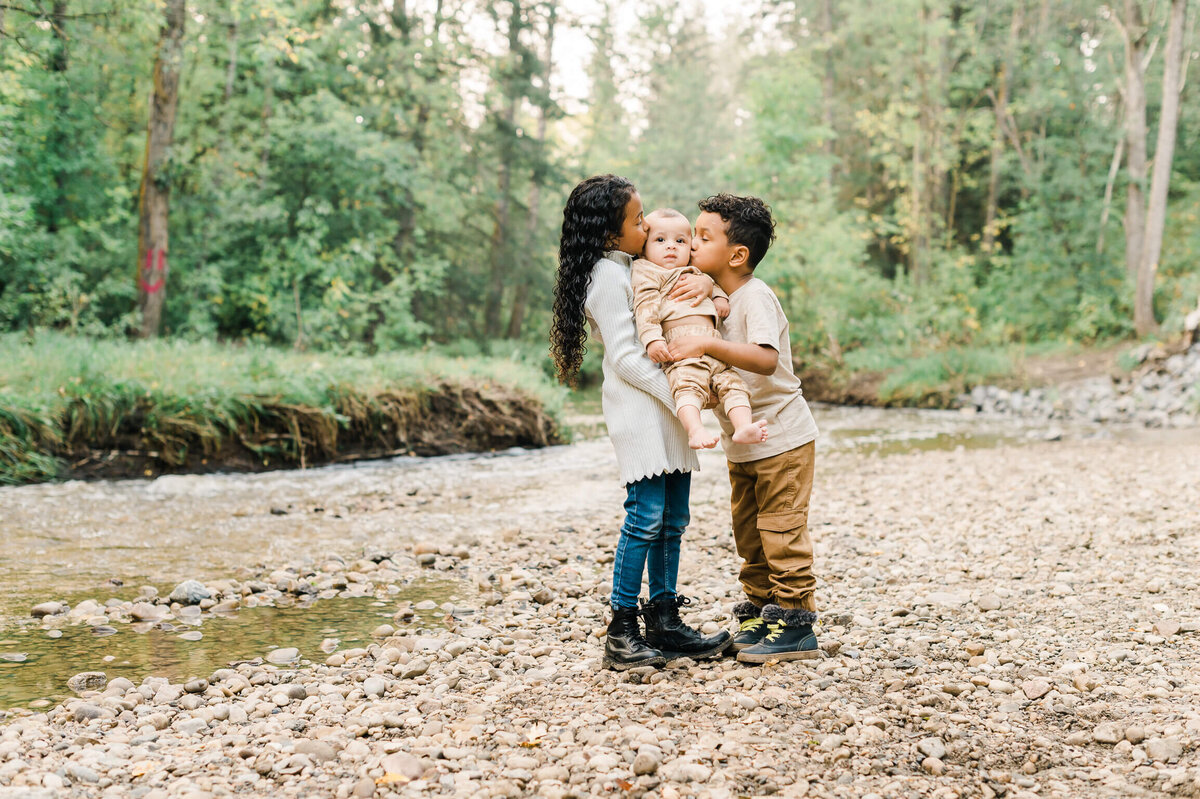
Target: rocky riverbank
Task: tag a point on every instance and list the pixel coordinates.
(1162, 390)
(1010, 622)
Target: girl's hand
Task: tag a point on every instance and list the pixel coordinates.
(692, 287)
(722, 306)
(658, 352)
(688, 347)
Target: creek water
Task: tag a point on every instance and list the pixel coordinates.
(105, 539)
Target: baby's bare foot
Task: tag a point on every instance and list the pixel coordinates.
(702, 439)
(754, 433)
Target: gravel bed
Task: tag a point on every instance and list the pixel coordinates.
(1017, 622)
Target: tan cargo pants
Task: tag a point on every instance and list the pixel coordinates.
(769, 504)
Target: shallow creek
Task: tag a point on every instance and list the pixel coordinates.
(104, 540)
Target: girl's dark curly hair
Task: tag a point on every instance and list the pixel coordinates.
(592, 221)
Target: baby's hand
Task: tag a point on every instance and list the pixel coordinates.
(658, 352)
(722, 306)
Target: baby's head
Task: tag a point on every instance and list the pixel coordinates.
(669, 239)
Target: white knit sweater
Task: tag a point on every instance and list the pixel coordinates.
(639, 410)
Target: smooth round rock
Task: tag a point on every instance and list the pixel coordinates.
(288, 654)
(47, 609)
(190, 592)
(88, 681)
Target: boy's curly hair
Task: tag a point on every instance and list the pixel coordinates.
(748, 222)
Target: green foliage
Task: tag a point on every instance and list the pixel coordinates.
(339, 171)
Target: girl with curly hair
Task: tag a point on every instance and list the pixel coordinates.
(603, 230)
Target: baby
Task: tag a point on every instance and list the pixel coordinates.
(660, 320)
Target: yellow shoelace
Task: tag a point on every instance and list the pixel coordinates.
(775, 630)
(751, 624)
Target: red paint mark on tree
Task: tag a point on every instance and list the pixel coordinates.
(154, 275)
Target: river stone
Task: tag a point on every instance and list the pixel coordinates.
(146, 611)
(319, 751)
(1108, 733)
(1167, 627)
(196, 686)
(86, 609)
(88, 681)
(680, 770)
(1164, 750)
(87, 712)
(285, 655)
(988, 602)
(191, 726)
(645, 763)
(1035, 689)
(80, 773)
(414, 669)
(403, 763)
(190, 592)
(932, 747)
(47, 609)
(374, 686)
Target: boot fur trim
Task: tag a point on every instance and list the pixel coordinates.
(792, 617)
(744, 611)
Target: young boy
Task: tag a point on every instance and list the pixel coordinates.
(772, 480)
(661, 320)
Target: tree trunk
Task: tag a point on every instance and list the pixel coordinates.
(1135, 135)
(1113, 169)
(268, 70)
(517, 319)
(1164, 153)
(154, 196)
(231, 67)
(499, 261)
(827, 92)
(1000, 106)
(58, 64)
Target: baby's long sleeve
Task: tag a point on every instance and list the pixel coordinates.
(647, 297)
(608, 305)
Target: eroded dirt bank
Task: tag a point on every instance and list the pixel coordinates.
(443, 420)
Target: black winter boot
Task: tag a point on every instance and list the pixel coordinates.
(624, 646)
(789, 636)
(666, 631)
(751, 627)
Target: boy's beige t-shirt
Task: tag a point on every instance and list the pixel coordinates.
(756, 317)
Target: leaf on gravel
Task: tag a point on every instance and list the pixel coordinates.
(392, 778)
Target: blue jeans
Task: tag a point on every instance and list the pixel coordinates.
(656, 514)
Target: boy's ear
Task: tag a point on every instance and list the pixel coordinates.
(740, 256)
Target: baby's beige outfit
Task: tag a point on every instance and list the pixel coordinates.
(693, 380)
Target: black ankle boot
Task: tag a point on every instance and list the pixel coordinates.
(751, 627)
(789, 636)
(624, 646)
(666, 631)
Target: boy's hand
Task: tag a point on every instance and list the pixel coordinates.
(688, 347)
(722, 306)
(658, 352)
(691, 287)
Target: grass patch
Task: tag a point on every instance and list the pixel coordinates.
(174, 404)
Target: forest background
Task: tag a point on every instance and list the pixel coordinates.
(954, 182)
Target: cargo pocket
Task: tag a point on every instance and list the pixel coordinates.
(783, 521)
